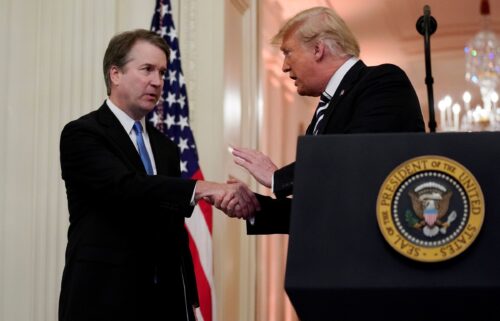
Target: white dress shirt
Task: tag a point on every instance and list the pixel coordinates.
(127, 124)
(337, 77)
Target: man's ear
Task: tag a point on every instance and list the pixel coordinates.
(115, 75)
(319, 50)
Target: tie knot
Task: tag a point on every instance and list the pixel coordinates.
(137, 127)
(323, 103)
(320, 110)
(325, 97)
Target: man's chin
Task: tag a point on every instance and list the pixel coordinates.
(302, 92)
(148, 107)
(149, 104)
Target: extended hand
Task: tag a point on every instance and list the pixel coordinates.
(235, 199)
(256, 163)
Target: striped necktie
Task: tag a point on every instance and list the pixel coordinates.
(143, 152)
(320, 110)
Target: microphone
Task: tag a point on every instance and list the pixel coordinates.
(426, 26)
(426, 21)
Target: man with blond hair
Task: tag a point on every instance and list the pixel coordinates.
(321, 56)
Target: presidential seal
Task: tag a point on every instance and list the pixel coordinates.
(430, 208)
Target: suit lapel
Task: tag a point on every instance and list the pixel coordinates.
(160, 154)
(121, 138)
(342, 91)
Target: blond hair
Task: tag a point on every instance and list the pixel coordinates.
(321, 23)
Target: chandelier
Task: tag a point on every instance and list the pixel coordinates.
(482, 69)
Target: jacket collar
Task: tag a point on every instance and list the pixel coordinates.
(350, 78)
(119, 136)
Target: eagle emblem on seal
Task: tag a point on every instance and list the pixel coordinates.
(430, 202)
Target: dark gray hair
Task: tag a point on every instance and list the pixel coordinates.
(119, 48)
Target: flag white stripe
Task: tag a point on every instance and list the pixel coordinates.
(199, 316)
(203, 241)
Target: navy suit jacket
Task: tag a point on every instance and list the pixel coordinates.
(127, 250)
(378, 99)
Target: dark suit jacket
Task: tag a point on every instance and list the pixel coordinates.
(378, 99)
(126, 228)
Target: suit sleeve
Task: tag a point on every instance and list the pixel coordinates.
(283, 181)
(97, 170)
(273, 218)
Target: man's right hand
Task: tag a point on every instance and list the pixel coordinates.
(235, 198)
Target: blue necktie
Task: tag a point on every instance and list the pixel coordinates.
(142, 148)
(320, 110)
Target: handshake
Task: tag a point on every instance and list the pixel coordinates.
(234, 198)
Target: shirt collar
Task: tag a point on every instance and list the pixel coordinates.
(337, 77)
(124, 119)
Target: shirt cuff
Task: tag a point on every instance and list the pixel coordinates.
(193, 202)
(272, 182)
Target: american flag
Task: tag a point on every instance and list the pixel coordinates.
(171, 117)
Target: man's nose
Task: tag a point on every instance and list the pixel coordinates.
(157, 78)
(285, 67)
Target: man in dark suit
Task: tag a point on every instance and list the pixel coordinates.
(127, 256)
(321, 56)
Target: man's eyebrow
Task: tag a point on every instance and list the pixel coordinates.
(148, 64)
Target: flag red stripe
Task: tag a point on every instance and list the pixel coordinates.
(201, 282)
(170, 117)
